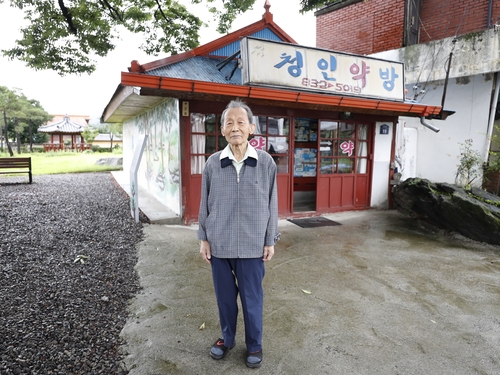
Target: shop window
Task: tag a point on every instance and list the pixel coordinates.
(206, 139)
(343, 147)
(271, 135)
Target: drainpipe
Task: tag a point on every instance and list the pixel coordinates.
(492, 117)
(430, 126)
(490, 8)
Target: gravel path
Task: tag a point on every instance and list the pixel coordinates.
(60, 315)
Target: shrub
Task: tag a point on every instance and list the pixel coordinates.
(470, 165)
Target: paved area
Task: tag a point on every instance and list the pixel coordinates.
(377, 294)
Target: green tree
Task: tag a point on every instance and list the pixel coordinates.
(65, 35)
(89, 134)
(10, 107)
(307, 5)
(112, 130)
(115, 130)
(34, 116)
(21, 115)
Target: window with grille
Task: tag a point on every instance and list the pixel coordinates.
(272, 134)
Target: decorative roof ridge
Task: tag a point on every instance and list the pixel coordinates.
(265, 22)
(65, 121)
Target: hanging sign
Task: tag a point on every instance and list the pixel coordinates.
(270, 63)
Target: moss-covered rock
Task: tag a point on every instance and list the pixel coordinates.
(474, 214)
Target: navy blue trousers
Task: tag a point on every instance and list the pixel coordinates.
(243, 276)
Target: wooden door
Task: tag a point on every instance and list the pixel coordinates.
(344, 166)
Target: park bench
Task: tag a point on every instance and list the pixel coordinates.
(15, 165)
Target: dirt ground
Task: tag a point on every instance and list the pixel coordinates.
(387, 296)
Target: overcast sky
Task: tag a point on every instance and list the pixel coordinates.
(89, 95)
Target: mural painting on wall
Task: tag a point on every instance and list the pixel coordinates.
(161, 124)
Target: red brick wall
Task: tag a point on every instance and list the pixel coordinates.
(372, 26)
(362, 28)
(442, 19)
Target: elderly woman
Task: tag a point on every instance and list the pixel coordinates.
(238, 228)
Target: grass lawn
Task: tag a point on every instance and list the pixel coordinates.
(67, 162)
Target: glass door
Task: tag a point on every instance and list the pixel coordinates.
(343, 177)
(305, 164)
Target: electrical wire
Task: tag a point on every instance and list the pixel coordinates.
(423, 91)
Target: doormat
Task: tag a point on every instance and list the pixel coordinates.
(314, 222)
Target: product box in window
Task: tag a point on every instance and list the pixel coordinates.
(302, 134)
(313, 135)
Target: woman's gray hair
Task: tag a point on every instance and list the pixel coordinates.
(237, 104)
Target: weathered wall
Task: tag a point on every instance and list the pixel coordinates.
(159, 171)
(477, 53)
(406, 152)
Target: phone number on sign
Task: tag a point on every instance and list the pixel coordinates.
(314, 83)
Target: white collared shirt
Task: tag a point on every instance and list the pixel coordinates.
(228, 153)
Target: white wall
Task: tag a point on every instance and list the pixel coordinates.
(439, 153)
(381, 166)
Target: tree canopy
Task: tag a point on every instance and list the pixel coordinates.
(63, 35)
(20, 116)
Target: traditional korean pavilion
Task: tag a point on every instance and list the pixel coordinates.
(65, 134)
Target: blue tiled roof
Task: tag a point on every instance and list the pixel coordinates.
(231, 48)
(200, 68)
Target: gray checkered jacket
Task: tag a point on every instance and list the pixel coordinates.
(239, 218)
